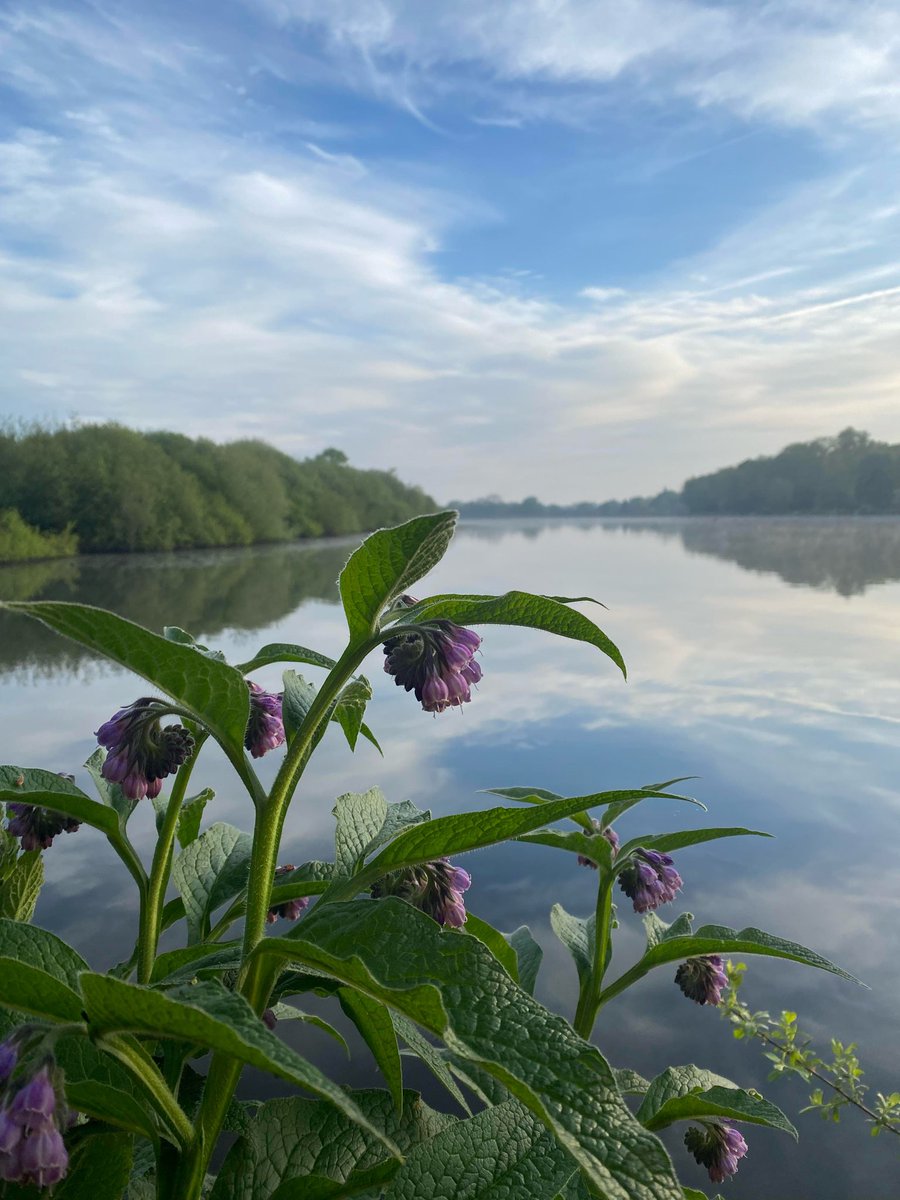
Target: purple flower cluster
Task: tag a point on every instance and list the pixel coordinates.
(436, 888)
(702, 979)
(140, 753)
(31, 1145)
(609, 834)
(436, 661)
(716, 1147)
(265, 729)
(37, 827)
(649, 880)
(291, 909)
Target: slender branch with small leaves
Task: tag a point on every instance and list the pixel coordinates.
(123, 1084)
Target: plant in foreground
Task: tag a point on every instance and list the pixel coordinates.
(385, 934)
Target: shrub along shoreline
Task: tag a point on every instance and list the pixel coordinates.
(108, 489)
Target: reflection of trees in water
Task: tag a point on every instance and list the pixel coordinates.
(845, 555)
(204, 592)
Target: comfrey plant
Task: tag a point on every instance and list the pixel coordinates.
(123, 1084)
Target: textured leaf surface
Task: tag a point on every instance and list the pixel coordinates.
(454, 987)
(299, 694)
(207, 1014)
(213, 692)
(99, 1168)
(495, 942)
(399, 817)
(188, 828)
(529, 955)
(359, 816)
(503, 1153)
(31, 990)
(110, 794)
(48, 790)
(429, 1054)
(667, 842)
(210, 871)
(517, 608)
(280, 652)
(687, 1093)
(20, 886)
(39, 948)
(387, 564)
(181, 966)
(97, 1085)
(351, 708)
(577, 935)
(295, 1138)
(374, 1023)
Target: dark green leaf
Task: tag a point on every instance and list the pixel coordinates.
(210, 871)
(351, 708)
(399, 817)
(295, 1146)
(592, 845)
(577, 935)
(188, 828)
(666, 842)
(298, 696)
(454, 987)
(373, 1021)
(99, 1168)
(98, 1086)
(387, 564)
(529, 955)
(516, 608)
(20, 886)
(290, 1012)
(430, 1055)
(206, 1014)
(690, 1093)
(360, 816)
(629, 1082)
(657, 929)
(502, 1153)
(214, 693)
(181, 966)
(496, 942)
(281, 652)
(39, 948)
(110, 794)
(48, 790)
(31, 990)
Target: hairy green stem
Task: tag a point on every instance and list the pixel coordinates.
(150, 1078)
(591, 989)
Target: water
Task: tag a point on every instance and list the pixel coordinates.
(762, 658)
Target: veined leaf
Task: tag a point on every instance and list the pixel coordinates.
(99, 1168)
(48, 790)
(690, 1093)
(111, 794)
(495, 941)
(38, 948)
(359, 818)
(202, 961)
(214, 693)
(577, 935)
(281, 652)
(98, 1086)
(666, 842)
(298, 696)
(209, 871)
(529, 954)
(373, 1021)
(20, 886)
(350, 709)
(430, 1055)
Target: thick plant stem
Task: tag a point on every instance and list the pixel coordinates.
(152, 901)
(589, 995)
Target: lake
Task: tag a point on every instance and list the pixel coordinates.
(763, 658)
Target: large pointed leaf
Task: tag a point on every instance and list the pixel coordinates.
(210, 871)
(432, 1056)
(373, 1021)
(207, 1014)
(503, 1153)
(295, 1147)
(529, 954)
(454, 987)
(111, 794)
(98, 1086)
(350, 709)
(20, 883)
(214, 693)
(42, 949)
(577, 935)
(359, 817)
(387, 564)
(298, 696)
(281, 652)
(31, 785)
(666, 842)
(690, 1093)
(99, 1167)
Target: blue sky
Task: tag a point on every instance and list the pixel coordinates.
(565, 247)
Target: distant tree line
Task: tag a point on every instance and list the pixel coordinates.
(849, 474)
(108, 488)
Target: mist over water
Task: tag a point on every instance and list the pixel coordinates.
(762, 658)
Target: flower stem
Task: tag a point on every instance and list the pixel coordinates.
(589, 995)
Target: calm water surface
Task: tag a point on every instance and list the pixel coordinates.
(763, 658)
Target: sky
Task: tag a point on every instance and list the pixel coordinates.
(572, 248)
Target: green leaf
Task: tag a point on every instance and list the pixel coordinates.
(351, 708)
(360, 817)
(495, 941)
(615, 810)
(298, 696)
(387, 564)
(48, 790)
(429, 1055)
(373, 1021)
(690, 1093)
(99, 1168)
(629, 1082)
(207, 1014)
(526, 795)
(657, 930)
(577, 935)
(400, 816)
(503, 1153)
(21, 886)
(174, 633)
(593, 846)
(529, 954)
(97, 1085)
(455, 988)
(214, 693)
(281, 652)
(111, 794)
(39, 948)
(210, 871)
(31, 990)
(516, 608)
(188, 828)
(295, 1147)
(666, 842)
(183, 965)
(457, 833)
(290, 1012)
(719, 939)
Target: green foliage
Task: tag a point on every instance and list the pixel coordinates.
(19, 540)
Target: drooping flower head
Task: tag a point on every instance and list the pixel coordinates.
(718, 1147)
(436, 888)
(37, 827)
(265, 729)
(702, 979)
(31, 1144)
(649, 880)
(291, 909)
(609, 834)
(140, 753)
(436, 661)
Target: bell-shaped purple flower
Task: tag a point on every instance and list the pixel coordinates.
(649, 879)
(716, 1147)
(437, 662)
(609, 834)
(35, 1102)
(291, 910)
(140, 753)
(702, 979)
(436, 888)
(37, 827)
(265, 728)
(31, 1143)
